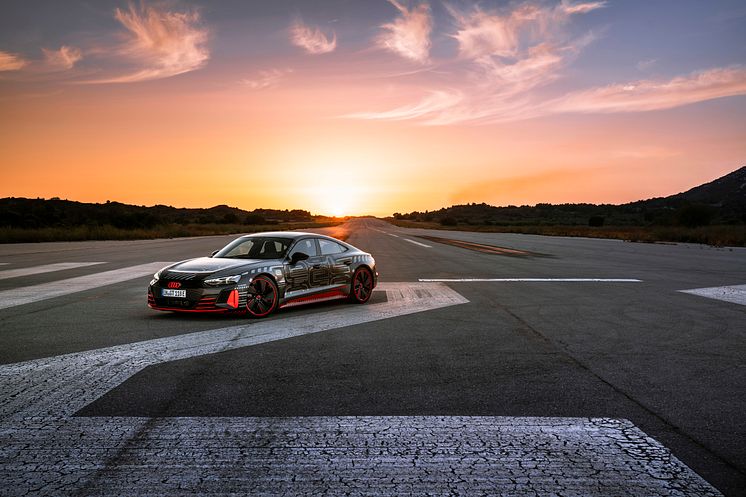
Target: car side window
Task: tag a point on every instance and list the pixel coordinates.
(329, 247)
(307, 246)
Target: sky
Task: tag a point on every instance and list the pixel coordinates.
(359, 107)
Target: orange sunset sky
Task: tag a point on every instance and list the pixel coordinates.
(369, 107)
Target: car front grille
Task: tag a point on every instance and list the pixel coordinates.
(173, 275)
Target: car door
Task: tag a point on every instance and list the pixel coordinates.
(298, 275)
(320, 267)
(335, 255)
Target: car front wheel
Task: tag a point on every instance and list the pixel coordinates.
(263, 297)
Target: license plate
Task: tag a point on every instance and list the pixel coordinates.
(167, 292)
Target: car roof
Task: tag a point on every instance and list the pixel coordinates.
(294, 235)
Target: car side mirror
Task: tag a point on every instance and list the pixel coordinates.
(214, 252)
(297, 257)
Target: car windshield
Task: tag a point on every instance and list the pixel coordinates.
(258, 247)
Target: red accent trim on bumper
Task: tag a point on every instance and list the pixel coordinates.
(177, 309)
(233, 299)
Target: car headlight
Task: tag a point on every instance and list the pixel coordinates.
(224, 280)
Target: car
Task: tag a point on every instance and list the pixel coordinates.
(260, 273)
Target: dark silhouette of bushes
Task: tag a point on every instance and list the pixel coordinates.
(596, 221)
(694, 215)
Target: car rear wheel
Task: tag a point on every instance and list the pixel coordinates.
(263, 297)
(362, 285)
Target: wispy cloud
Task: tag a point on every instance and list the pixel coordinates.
(63, 58)
(646, 95)
(409, 34)
(437, 101)
(511, 33)
(312, 39)
(269, 78)
(580, 8)
(11, 62)
(503, 55)
(166, 43)
(506, 56)
(646, 64)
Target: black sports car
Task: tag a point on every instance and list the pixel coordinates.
(265, 271)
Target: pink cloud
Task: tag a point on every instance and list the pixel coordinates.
(312, 39)
(266, 79)
(435, 102)
(647, 95)
(580, 8)
(11, 62)
(503, 56)
(63, 58)
(166, 43)
(409, 34)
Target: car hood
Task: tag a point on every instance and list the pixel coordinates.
(211, 264)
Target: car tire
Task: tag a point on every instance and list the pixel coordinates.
(262, 298)
(362, 285)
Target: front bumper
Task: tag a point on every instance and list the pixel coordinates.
(219, 299)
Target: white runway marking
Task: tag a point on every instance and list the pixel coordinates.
(735, 294)
(35, 293)
(64, 384)
(532, 280)
(47, 268)
(416, 243)
(337, 455)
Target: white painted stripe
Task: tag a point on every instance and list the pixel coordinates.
(532, 280)
(36, 293)
(395, 236)
(735, 294)
(47, 268)
(416, 243)
(64, 384)
(4, 263)
(340, 455)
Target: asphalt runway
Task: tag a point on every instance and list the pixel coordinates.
(534, 366)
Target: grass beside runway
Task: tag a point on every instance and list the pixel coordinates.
(107, 232)
(717, 235)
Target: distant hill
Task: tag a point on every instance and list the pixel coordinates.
(41, 213)
(728, 194)
(722, 201)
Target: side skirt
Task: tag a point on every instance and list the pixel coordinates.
(316, 297)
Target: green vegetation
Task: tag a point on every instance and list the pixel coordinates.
(39, 220)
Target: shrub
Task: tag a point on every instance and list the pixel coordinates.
(254, 219)
(448, 221)
(693, 215)
(596, 221)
